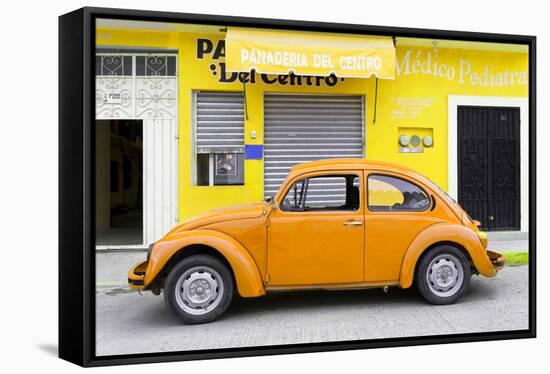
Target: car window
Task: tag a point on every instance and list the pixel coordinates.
(323, 193)
(386, 193)
(293, 201)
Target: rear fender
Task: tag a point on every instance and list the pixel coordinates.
(246, 272)
(445, 233)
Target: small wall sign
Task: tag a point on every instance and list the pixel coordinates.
(112, 98)
(253, 151)
(411, 150)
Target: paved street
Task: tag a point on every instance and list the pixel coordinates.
(130, 323)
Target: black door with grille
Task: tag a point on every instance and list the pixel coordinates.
(488, 165)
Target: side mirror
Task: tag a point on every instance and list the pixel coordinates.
(272, 202)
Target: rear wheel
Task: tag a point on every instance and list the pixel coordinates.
(198, 289)
(443, 274)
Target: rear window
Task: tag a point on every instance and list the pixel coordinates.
(387, 193)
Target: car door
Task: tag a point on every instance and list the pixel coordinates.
(398, 209)
(316, 232)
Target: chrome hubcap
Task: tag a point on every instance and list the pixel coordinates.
(445, 275)
(199, 290)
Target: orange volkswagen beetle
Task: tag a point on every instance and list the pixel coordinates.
(334, 224)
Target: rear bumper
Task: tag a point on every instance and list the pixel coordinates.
(497, 260)
(136, 275)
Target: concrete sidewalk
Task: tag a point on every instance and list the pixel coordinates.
(112, 266)
(509, 245)
(507, 241)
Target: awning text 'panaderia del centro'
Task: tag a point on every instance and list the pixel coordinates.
(309, 53)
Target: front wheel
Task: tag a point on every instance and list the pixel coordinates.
(443, 274)
(198, 289)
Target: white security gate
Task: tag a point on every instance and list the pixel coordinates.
(159, 178)
(145, 87)
(301, 128)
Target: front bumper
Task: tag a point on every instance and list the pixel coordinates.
(497, 260)
(136, 275)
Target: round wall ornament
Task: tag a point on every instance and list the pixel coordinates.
(403, 140)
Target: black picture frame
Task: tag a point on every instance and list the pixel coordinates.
(76, 185)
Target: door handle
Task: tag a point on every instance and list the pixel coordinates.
(353, 223)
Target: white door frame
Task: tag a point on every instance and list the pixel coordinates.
(491, 101)
(160, 195)
(158, 218)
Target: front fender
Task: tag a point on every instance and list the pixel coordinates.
(247, 275)
(449, 233)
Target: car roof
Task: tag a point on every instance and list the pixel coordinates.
(350, 163)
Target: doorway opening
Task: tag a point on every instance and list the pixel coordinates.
(119, 182)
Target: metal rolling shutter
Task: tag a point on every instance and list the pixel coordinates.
(220, 122)
(301, 128)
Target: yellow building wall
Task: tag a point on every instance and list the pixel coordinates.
(416, 99)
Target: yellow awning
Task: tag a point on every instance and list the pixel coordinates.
(309, 53)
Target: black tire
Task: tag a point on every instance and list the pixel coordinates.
(211, 267)
(451, 261)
